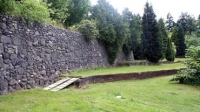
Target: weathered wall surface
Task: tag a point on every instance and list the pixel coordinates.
(36, 55)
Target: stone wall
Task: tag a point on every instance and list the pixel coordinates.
(35, 55)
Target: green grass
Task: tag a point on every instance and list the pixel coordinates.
(149, 95)
(103, 71)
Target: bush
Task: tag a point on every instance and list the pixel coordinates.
(192, 74)
(170, 51)
(88, 29)
(27, 9)
(192, 40)
(33, 10)
(7, 6)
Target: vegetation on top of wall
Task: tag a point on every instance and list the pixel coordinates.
(88, 29)
(32, 10)
(112, 29)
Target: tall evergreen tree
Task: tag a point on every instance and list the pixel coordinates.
(174, 36)
(170, 52)
(181, 46)
(163, 35)
(178, 37)
(151, 42)
(170, 22)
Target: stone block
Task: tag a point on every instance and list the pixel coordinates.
(1, 62)
(3, 26)
(3, 85)
(1, 48)
(16, 41)
(43, 72)
(5, 39)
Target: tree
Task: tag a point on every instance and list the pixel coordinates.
(59, 11)
(170, 22)
(174, 36)
(151, 42)
(163, 35)
(112, 29)
(170, 52)
(188, 23)
(178, 37)
(181, 46)
(198, 27)
(77, 11)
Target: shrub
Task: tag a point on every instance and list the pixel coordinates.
(192, 40)
(7, 6)
(32, 10)
(88, 29)
(192, 74)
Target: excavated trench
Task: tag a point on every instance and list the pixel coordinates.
(123, 76)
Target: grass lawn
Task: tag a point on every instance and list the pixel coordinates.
(149, 95)
(131, 69)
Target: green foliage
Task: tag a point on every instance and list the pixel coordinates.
(88, 29)
(170, 51)
(152, 44)
(77, 11)
(174, 36)
(170, 22)
(27, 9)
(33, 10)
(7, 6)
(134, 23)
(178, 38)
(188, 23)
(59, 11)
(198, 27)
(192, 74)
(181, 47)
(163, 35)
(192, 40)
(113, 31)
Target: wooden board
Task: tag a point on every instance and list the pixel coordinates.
(57, 83)
(64, 84)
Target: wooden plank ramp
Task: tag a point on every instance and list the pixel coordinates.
(64, 84)
(57, 83)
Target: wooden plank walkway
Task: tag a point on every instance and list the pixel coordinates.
(57, 83)
(64, 84)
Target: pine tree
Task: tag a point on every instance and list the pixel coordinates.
(170, 22)
(170, 52)
(163, 35)
(174, 37)
(181, 46)
(179, 40)
(151, 42)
